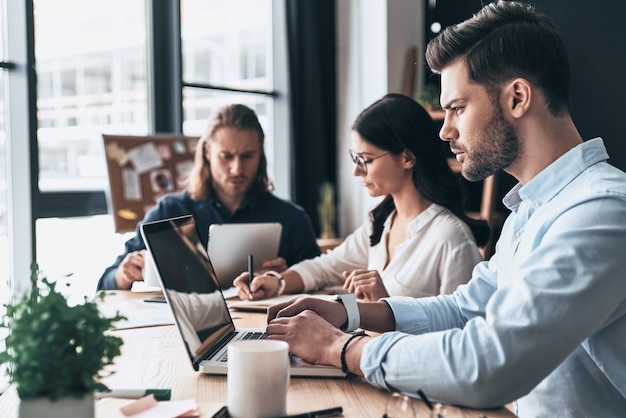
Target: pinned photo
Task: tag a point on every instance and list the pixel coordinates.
(179, 147)
(165, 151)
(161, 181)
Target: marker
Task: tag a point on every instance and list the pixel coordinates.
(159, 394)
(330, 412)
(250, 274)
(156, 299)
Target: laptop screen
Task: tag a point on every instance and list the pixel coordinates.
(189, 284)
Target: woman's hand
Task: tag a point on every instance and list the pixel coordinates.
(366, 284)
(262, 286)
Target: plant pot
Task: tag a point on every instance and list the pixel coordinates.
(61, 408)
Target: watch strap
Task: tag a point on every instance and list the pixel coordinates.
(281, 280)
(352, 310)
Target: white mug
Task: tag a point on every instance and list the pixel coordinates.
(258, 378)
(149, 272)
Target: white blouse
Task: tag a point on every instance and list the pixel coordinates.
(437, 256)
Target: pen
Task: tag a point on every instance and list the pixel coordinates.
(250, 273)
(429, 404)
(159, 394)
(330, 412)
(423, 396)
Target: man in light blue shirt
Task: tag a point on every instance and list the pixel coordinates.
(543, 322)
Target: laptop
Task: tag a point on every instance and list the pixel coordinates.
(230, 244)
(195, 298)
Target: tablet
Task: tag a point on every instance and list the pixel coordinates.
(230, 244)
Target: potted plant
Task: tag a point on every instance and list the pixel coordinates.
(56, 354)
(428, 97)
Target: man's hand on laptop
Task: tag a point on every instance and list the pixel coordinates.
(332, 311)
(309, 337)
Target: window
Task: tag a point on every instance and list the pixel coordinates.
(95, 75)
(226, 58)
(91, 71)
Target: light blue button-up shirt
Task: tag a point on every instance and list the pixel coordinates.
(543, 321)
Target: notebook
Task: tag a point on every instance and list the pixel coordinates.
(230, 244)
(195, 298)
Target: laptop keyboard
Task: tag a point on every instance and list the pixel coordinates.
(254, 336)
(249, 335)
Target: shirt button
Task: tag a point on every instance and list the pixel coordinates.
(518, 233)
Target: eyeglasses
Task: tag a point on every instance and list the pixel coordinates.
(361, 162)
(400, 406)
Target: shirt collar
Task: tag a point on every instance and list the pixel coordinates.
(251, 200)
(551, 180)
(419, 221)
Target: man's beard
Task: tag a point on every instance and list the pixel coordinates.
(498, 148)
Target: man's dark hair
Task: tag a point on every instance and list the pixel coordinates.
(504, 40)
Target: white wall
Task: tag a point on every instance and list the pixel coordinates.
(373, 38)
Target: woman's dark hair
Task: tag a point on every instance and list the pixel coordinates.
(397, 123)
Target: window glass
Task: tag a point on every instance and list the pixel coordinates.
(91, 72)
(227, 44)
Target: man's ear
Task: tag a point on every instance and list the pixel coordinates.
(517, 97)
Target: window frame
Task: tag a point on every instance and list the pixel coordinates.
(20, 123)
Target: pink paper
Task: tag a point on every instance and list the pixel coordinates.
(140, 405)
(150, 408)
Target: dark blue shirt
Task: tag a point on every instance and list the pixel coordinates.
(297, 242)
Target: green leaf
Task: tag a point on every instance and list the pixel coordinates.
(55, 350)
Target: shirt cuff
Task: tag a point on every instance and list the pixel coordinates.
(409, 314)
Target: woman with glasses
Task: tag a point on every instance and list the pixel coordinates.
(418, 241)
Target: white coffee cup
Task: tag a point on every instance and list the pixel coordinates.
(258, 378)
(149, 272)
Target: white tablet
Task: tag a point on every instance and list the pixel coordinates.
(230, 244)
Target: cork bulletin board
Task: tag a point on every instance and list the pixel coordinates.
(142, 169)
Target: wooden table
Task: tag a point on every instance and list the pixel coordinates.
(154, 357)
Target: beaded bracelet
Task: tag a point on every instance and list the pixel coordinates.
(344, 365)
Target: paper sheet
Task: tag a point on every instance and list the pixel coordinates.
(262, 305)
(139, 313)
